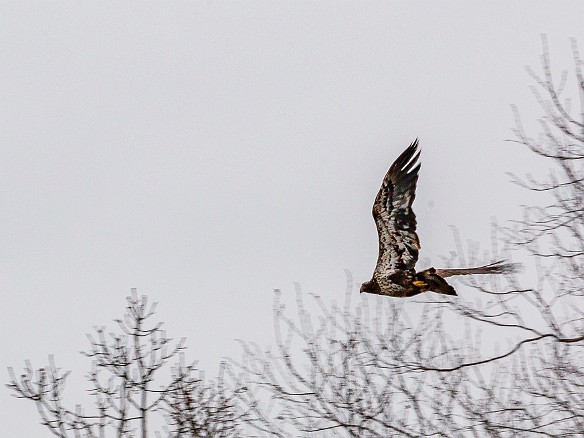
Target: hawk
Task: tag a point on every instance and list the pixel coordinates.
(394, 273)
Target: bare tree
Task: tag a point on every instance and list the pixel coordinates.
(506, 361)
(542, 383)
(362, 372)
(128, 399)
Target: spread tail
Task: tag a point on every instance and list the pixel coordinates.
(499, 267)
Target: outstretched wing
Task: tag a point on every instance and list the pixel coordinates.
(499, 267)
(395, 220)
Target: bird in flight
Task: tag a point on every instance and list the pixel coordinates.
(394, 273)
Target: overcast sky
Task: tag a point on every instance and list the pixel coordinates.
(207, 152)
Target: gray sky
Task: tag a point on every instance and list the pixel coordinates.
(208, 152)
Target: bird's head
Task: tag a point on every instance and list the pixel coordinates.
(367, 287)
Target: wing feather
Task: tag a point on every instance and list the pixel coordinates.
(392, 211)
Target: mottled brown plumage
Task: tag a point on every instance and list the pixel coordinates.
(395, 273)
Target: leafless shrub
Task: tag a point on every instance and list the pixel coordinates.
(128, 400)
